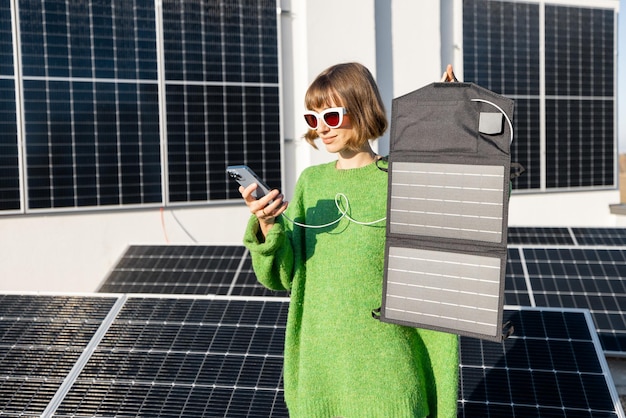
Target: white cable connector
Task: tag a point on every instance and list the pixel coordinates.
(501, 111)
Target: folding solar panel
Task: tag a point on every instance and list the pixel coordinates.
(449, 177)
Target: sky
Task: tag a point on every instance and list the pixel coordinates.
(621, 76)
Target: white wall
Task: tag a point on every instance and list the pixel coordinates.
(75, 252)
(565, 209)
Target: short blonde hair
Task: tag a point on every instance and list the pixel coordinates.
(352, 86)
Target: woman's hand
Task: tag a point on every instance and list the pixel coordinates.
(448, 75)
(267, 208)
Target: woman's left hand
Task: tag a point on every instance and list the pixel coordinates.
(448, 76)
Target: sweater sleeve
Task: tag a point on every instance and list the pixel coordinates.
(272, 259)
(443, 354)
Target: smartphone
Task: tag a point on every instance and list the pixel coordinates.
(244, 175)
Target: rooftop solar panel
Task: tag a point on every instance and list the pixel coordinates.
(551, 367)
(600, 236)
(41, 339)
(172, 356)
(186, 357)
(559, 108)
(573, 277)
(590, 278)
(549, 236)
(185, 269)
(540, 236)
(136, 102)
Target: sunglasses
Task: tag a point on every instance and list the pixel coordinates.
(333, 117)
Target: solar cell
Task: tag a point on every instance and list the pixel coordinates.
(516, 280)
(421, 204)
(444, 290)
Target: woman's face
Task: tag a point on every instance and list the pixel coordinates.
(335, 139)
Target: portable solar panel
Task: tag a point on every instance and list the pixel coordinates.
(449, 174)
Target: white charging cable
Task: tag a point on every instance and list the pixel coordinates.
(344, 214)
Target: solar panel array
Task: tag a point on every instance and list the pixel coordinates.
(138, 102)
(214, 356)
(546, 266)
(184, 352)
(573, 117)
(550, 367)
(572, 268)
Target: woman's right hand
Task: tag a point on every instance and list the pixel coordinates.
(267, 208)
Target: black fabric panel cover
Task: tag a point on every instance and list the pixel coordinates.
(446, 139)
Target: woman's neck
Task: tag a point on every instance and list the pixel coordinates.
(356, 159)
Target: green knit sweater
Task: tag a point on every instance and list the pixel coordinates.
(339, 361)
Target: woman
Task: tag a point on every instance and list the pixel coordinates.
(328, 251)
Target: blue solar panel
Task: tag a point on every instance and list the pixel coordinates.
(186, 357)
(185, 269)
(229, 112)
(97, 108)
(583, 277)
(41, 339)
(171, 356)
(9, 172)
(550, 367)
(540, 236)
(505, 44)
